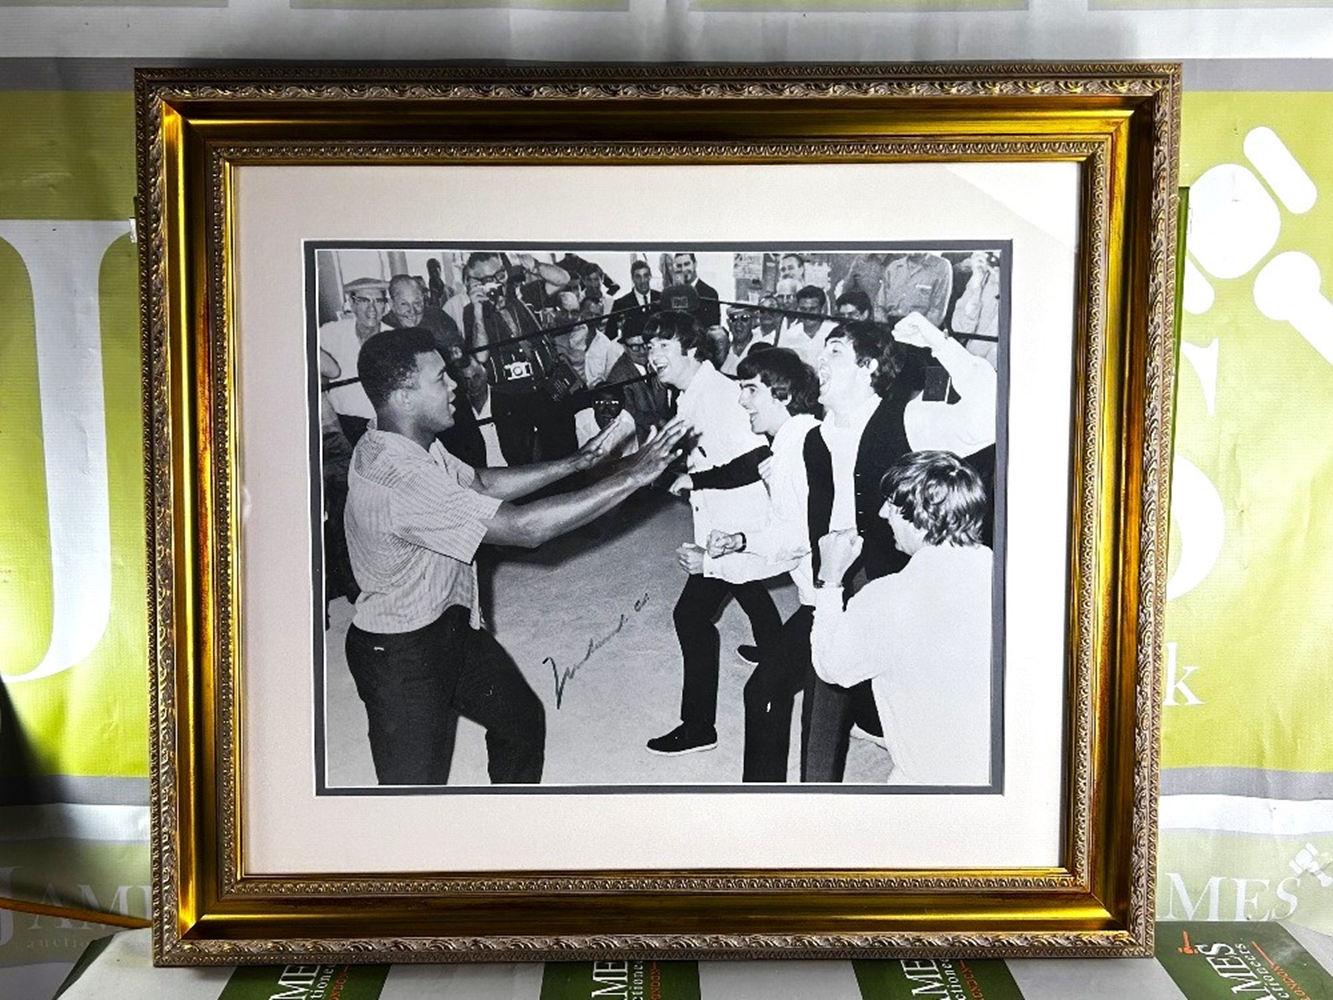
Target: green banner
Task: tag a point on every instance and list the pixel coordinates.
(629, 979)
(1259, 961)
(939, 979)
(1251, 553)
(306, 982)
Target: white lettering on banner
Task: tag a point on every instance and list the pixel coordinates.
(612, 978)
(64, 262)
(1248, 905)
(1288, 290)
(1175, 684)
(1199, 521)
(1308, 860)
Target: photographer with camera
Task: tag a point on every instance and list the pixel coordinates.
(530, 404)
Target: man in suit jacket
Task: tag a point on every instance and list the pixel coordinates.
(862, 434)
(709, 312)
(642, 298)
(636, 387)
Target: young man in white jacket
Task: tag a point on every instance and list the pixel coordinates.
(726, 490)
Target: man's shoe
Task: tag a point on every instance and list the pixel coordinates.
(683, 739)
(748, 653)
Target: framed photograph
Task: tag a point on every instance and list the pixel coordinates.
(656, 512)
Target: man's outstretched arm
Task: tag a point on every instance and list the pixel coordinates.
(519, 481)
(528, 525)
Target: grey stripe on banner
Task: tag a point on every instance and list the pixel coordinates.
(75, 789)
(1258, 74)
(1296, 786)
(23, 73)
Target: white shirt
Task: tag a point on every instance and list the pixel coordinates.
(340, 339)
(964, 427)
(711, 407)
(784, 538)
(793, 336)
(413, 527)
(843, 445)
(490, 437)
(601, 354)
(733, 359)
(924, 638)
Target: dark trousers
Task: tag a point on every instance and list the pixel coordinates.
(416, 684)
(770, 694)
(532, 426)
(695, 615)
(827, 715)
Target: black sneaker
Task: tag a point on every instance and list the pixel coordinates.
(748, 653)
(683, 739)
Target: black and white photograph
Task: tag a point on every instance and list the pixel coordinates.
(652, 516)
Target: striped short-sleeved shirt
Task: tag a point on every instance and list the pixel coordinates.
(413, 527)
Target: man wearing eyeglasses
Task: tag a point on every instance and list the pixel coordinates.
(366, 300)
(531, 416)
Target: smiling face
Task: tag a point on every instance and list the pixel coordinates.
(673, 366)
(785, 293)
(767, 414)
(791, 268)
(368, 308)
(686, 270)
(408, 302)
(840, 377)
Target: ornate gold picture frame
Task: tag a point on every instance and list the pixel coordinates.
(1064, 175)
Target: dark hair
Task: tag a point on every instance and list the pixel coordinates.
(388, 360)
(685, 253)
(857, 299)
(789, 378)
(798, 258)
(872, 341)
(812, 292)
(939, 493)
(672, 324)
(480, 257)
(641, 265)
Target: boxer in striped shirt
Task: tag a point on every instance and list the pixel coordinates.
(415, 517)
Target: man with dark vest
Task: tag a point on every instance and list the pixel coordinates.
(861, 435)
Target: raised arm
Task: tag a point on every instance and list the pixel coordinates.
(516, 482)
(529, 525)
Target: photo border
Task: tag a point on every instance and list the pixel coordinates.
(313, 246)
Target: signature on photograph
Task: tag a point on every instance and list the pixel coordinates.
(563, 677)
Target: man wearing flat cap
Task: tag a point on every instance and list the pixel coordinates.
(366, 299)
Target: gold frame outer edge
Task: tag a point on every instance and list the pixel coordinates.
(1121, 121)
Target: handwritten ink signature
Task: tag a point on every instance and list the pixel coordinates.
(563, 677)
